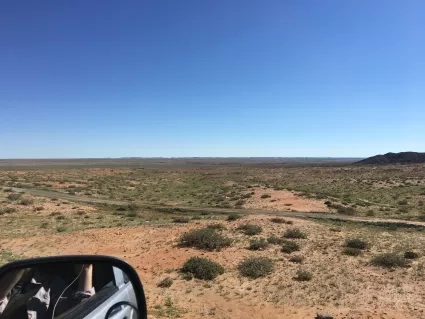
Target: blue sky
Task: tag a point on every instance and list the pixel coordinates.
(211, 78)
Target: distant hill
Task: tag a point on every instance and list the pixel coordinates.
(395, 158)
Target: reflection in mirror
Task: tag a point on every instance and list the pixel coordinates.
(67, 290)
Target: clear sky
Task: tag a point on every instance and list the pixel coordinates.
(96, 78)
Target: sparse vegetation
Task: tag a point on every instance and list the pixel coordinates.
(250, 229)
(274, 240)
(297, 259)
(181, 220)
(289, 246)
(389, 260)
(411, 255)
(256, 267)
(303, 275)
(165, 283)
(202, 268)
(258, 244)
(350, 251)
(294, 233)
(206, 238)
(264, 196)
(356, 243)
(14, 196)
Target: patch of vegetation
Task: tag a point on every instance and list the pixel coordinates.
(27, 201)
(165, 283)
(264, 196)
(181, 220)
(411, 255)
(256, 267)
(202, 268)
(14, 196)
(250, 229)
(233, 217)
(258, 244)
(356, 243)
(274, 240)
(343, 210)
(389, 260)
(278, 220)
(303, 275)
(7, 210)
(205, 238)
(350, 251)
(289, 246)
(61, 229)
(294, 233)
(216, 226)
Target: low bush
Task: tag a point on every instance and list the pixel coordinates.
(202, 268)
(356, 243)
(274, 240)
(181, 220)
(258, 244)
(27, 201)
(350, 251)
(370, 213)
(61, 229)
(265, 196)
(205, 238)
(38, 208)
(298, 259)
(289, 246)
(256, 267)
(239, 203)
(389, 260)
(165, 283)
(350, 211)
(14, 196)
(294, 233)
(303, 275)
(7, 210)
(233, 217)
(411, 255)
(250, 229)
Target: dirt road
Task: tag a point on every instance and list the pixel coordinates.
(94, 200)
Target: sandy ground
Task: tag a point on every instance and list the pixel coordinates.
(345, 286)
(284, 200)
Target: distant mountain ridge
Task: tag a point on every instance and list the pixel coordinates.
(395, 158)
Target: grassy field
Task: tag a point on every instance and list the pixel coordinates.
(396, 191)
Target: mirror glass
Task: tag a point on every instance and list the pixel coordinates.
(67, 290)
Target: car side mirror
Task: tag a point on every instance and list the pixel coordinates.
(67, 287)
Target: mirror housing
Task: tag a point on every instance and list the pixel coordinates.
(41, 272)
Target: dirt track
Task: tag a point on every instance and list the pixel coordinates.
(53, 194)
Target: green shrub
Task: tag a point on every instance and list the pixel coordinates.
(274, 240)
(350, 251)
(202, 268)
(389, 260)
(356, 243)
(245, 196)
(233, 217)
(250, 229)
(298, 259)
(181, 220)
(411, 255)
(256, 267)
(240, 203)
(205, 238)
(258, 244)
(303, 275)
(370, 213)
(27, 201)
(14, 196)
(294, 233)
(289, 246)
(165, 283)
(265, 196)
(131, 214)
(38, 208)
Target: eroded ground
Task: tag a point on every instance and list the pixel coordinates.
(348, 287)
